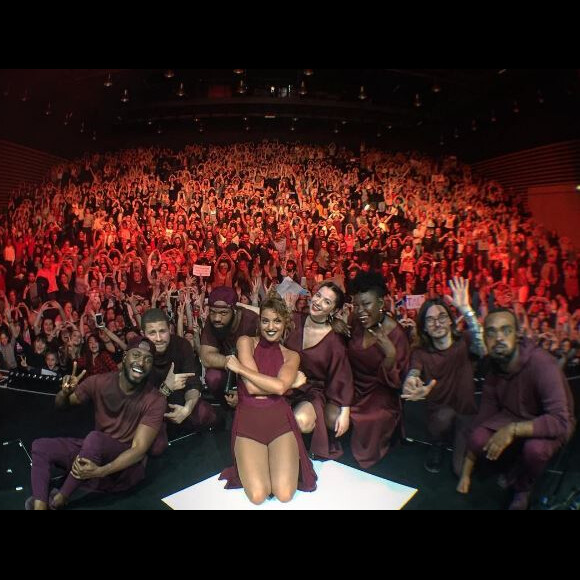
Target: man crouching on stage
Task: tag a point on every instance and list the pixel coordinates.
(128, 416)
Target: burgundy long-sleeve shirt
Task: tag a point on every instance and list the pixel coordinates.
(536, 391)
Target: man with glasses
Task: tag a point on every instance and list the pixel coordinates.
(442, 372)
(218, 338)
(526, 410)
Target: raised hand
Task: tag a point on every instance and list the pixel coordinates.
(460, 288)
(70, 382)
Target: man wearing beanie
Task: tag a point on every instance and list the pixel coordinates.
(227, 323)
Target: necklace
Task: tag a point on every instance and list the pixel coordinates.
(316, 321)
(379, 323)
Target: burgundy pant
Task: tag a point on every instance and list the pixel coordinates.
(216, 382)
(443, 421)
(62, 452)
(203, 416)
(532, 456)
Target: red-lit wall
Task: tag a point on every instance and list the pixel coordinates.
(558, 208)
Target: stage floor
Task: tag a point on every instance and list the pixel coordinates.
(340, 487)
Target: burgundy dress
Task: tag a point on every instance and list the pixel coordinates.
(376, 410)
(266, 419)
(329, 379)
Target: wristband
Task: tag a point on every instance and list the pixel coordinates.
(165, 390)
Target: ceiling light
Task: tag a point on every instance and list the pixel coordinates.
(308, 72)
(361, 94)
(238, 71)
(169, 74)
(417, 101)
(181, 90)
(302, 90)
(125, 96)
(436, 88)
(24, 98)
(108, 81)
(48, 110)
(241, 90)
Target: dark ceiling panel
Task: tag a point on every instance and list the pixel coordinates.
(434, 110)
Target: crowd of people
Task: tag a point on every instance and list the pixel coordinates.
(178, 246)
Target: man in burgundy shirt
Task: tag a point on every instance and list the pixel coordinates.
(227, 323)
(526, 410)
(128, 417)
(442, 372)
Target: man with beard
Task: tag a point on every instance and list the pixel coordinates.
(177, 373)
(128, 417)
(526, 409)
(218, 338)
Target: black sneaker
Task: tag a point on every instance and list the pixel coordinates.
(434, 459)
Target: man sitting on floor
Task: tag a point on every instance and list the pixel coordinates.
(128, 416)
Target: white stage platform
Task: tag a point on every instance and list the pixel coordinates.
(339, 488)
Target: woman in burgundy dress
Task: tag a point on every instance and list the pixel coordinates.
(323, 404)
(269, 454)
(379, 355)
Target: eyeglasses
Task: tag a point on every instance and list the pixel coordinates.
(441, 319)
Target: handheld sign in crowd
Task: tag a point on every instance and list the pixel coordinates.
(414, 301)
(201, 270)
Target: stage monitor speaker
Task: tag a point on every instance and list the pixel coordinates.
(34, 383)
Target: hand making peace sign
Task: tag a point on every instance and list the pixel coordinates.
(70, 382)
